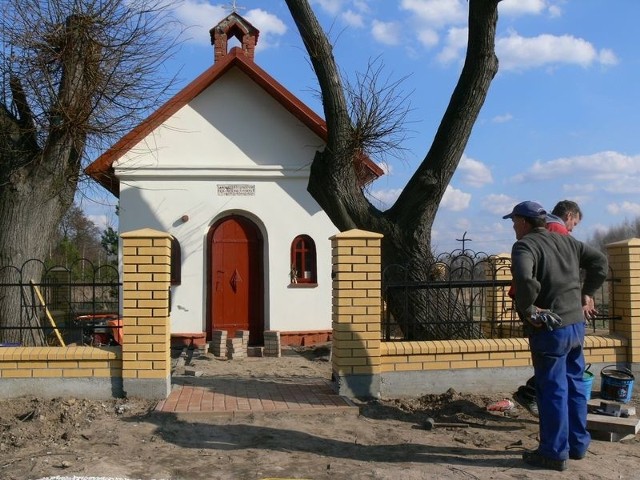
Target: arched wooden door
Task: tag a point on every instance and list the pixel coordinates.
(235, 278)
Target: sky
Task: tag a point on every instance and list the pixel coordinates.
(560, 120)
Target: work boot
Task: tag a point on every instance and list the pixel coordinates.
(526, 397)
(534, 459)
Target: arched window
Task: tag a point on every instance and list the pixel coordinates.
(176, 262)
(303, 260)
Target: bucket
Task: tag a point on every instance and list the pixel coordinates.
(587, 378)
(616, 384)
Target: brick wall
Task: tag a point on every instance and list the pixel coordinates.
(356, 311)
(624, 261)
(146, 352)
(364, 366)
(140, 367)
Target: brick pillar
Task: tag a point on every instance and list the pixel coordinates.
(624, 262)
(499, 307)
(146, 360)
(356, 313)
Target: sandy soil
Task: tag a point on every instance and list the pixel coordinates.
(124, 438)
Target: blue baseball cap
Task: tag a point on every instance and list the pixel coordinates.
(527, 209)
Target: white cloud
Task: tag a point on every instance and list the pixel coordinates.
(498, 204)
(624, 208)
(620, 183)
(601, 166)
(516, 52)
(200, 16)
(605, 164)
(386, 167)
(521, 7)
(555, 11)
(600, 228)
(474, 173)
(607, 57)
(353, 19)
(361, 5)
(270, 26)
(428, 37)
(437, 13)
(455, 200)
(384, 198)
(386, 33)
(455, 44)
(579, 187)
(516, 8)
(329, 6)
(504, 118)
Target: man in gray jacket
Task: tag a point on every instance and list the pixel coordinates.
(549, 298)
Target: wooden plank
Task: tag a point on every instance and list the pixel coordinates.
(48, 313)
(606, 423)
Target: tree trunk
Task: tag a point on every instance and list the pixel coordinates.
(29, 216)
(407, 225)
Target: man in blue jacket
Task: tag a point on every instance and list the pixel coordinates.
(549, 298)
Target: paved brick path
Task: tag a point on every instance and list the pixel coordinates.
(226, 395)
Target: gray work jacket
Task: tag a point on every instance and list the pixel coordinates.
(546, 273)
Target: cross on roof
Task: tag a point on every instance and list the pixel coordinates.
(234, 7)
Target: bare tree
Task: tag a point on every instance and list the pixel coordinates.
(407, 225)
(76, 74)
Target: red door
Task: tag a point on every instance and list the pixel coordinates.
(235, 278)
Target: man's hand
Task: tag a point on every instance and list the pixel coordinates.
(588, 307)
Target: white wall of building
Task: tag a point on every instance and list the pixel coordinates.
(233, 133)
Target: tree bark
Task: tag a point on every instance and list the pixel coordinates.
(407, 225)
(37, 184)
(73, 73)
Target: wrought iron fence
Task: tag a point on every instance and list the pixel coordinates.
(465, 296)
(72, 304)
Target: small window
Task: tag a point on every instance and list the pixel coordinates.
(303, 260)
(176, 262)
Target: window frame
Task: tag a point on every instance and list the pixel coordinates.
(301, 256)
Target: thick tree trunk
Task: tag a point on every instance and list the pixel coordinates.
(29, 216)
(38, 179)
(406, 226)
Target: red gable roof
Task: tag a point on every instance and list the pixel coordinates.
(101, 170)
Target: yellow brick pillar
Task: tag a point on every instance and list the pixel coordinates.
(146, 360)
(355, 355)
(624, 262)
(498, 307)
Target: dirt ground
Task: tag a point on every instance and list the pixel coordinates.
(125, 438)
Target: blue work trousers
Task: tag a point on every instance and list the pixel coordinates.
(558, 362)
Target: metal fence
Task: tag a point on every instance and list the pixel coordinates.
(464, 297)
(71, 304)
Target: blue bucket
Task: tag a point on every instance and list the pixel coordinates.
(616, 384)
(587, 378)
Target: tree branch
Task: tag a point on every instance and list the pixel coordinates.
(423, 193)
(25, 116)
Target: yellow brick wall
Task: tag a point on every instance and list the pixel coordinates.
(357, 348)
(144, 353)
(62, 362)
(356, 303)
(624, 261)
(497, 353)
(498, 304)
(146, 326)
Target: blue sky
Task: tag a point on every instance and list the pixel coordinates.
(559, 122)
